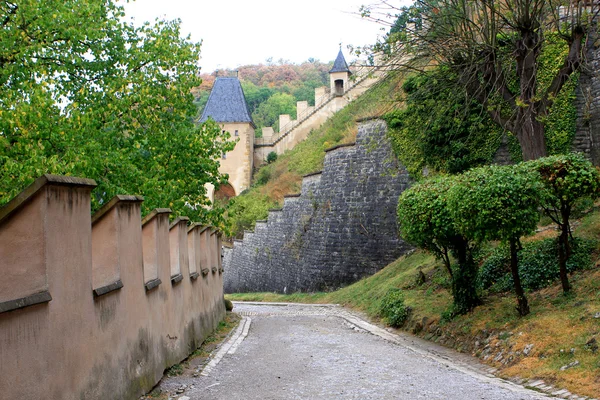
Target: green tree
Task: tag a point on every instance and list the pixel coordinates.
(498, 203)
(426, 221)
(255, 95)
(566, 179)
(84, 93)
(267, 113)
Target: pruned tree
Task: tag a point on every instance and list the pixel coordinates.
(493, 47)
(498, 203)
(426, 221)
(566, 179)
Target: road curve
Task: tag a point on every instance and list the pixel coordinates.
(289, 351)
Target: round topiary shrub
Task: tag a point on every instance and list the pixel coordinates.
(228, 305)
(271, 157)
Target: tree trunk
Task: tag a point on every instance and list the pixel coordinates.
(464, 290)
(522, 305)
(530, 133)
(446, 258)
(528, 129)
(564, 250)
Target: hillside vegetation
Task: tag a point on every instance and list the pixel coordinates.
(272, 89)
(559, 331)
(284, 176)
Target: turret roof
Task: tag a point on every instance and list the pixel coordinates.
(340, 64)
(227, 102)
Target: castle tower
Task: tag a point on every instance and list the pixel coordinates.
(339, 75)
(227, 106)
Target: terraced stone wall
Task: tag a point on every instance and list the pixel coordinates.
(340, 228)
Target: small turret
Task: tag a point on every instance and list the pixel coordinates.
(339, 75)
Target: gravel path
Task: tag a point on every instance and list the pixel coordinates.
(316, 352)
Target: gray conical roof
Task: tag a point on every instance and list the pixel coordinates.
(226, 102)
(340, 64)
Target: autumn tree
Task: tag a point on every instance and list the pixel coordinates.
(493, 47)
(83, 93)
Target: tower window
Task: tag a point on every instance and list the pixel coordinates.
(237, 133)
(224, 156)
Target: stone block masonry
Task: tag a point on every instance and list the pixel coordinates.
(97, 307)
(339, 229)
(587, 101)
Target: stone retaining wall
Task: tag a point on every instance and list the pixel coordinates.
(587, 102)
(340, 228)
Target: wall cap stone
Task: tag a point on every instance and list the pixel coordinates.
(194, 276)
(48, 179)
(120, 198)
(101, 291)
(196, 225)
(312, 174)
(367, 119)
(205, 271)
(176, 278)
(154, 213)
(340, 146)
(178, 220)
(152, 284)
(32, 299)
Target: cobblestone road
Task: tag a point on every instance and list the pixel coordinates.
(316, 352)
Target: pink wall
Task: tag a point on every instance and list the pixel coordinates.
(89, 307)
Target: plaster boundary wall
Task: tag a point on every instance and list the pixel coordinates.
(88, 306)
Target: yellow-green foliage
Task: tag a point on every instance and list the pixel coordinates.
(561, 121)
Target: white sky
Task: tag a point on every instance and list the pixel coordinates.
(242, 32)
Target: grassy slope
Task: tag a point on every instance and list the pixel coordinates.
(285, 174)
(556, 322)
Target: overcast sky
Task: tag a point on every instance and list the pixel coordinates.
(241, 32)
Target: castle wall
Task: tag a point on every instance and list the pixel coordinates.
(89, 306)
(340, 228)
(311, 118)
